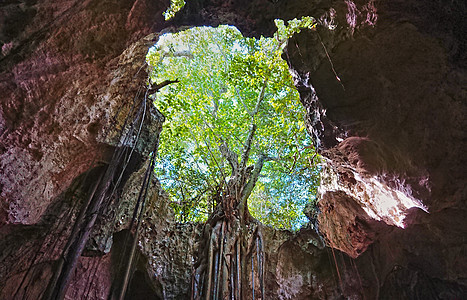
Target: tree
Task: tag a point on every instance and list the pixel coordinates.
(233, 122)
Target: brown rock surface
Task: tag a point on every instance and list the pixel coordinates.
(385, 95)
(386, 104)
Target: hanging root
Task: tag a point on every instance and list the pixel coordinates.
(223, 254)
(238, 265)
(99, 200)
(256, 245)
(260, 259)
(210, 262)
(137, 218)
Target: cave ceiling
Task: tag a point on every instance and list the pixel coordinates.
(384, 87)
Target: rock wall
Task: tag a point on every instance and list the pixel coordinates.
(383, 84)
(384, 99)
(62, 68)
(69, 72)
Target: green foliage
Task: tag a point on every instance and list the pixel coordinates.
(175, 6)
(293, 26)
(222, 75)
(280, 197)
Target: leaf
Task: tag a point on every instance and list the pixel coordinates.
(220, 84)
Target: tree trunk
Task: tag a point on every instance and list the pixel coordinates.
(230, 250)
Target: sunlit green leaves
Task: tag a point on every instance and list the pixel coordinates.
(221, 76)
(175, 6)
(293, 26)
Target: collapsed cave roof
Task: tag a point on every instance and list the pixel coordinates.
(396, 115)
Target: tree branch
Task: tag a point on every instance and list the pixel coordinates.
(249, 112)
(158, 86)
(181, 53)
(260, 97)
(204, 159)
(247, 147)
(228, 154)
(253, 179)
(215, 161)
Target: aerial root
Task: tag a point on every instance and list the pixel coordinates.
(219, 272)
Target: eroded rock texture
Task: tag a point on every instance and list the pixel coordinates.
(383, 83)
(69, 74)
(392, 92)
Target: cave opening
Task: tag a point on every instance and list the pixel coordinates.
(232, 97)
(69, 75)
(234, 153)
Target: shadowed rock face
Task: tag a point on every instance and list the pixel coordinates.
(64, 74)
(386, 107)
(68, 76)
(383, 84)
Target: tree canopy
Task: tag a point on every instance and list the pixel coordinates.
(234, 104)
